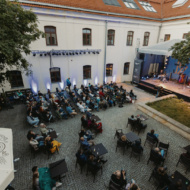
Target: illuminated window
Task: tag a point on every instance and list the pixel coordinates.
(109, 70)
(167, 37)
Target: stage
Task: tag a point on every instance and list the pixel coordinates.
(170, 87)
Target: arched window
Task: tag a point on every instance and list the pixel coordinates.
(130, 38)
(86, 36)
(87, 72)
(111, 37)
(126, 68)
(146, 38)
(55, 74)
(15, 78)
(51, 37)
(109, 70)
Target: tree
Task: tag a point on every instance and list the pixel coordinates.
(181, 51)
(18, 28)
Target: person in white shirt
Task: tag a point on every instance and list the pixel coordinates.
(82, 107)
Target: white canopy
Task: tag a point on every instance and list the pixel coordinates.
(6, 157)
(161, 48)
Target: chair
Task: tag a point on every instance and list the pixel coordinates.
(121, 144)
(93, 171)
(115, 186)
(184, 160)
(154, 158)
(150, 140)
(81, 164)
(164, 147)
(136, 151)
(130, 122)
(118, 133)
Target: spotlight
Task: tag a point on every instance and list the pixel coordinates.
(34, 54)
(40, 54)
(80, 52)
(67, 54)
(45, 54)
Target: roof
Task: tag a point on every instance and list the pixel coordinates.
(163, 7)
(162, 48)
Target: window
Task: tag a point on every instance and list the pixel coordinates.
(112, 2)
(179, 3)
(185, 35)
(147, 6)
(51, 37)
(126, 68)
(55, 74)
(130, 38)
(109, 70)
(15, 78)
(111, 37)
(87, 72)
(131, 4)
(167, 37)
(86, 36)
(146, 38)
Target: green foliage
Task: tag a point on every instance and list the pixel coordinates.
(18, 28)
(181, 51)
(175, 108)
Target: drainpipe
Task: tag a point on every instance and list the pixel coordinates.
(50, 58)
(105, 51)
(159, 30)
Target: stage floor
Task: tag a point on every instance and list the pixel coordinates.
(170, 85)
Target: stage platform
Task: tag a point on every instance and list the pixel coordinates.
(170, 87)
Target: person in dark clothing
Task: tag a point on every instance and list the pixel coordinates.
(137, 144)
(34, 136)
(164, 178)
(119, 177)
(152, 135)
(84, 121)
(176, 186)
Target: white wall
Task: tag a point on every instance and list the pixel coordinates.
(69, 36)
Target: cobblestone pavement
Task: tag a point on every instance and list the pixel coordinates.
(112, 119)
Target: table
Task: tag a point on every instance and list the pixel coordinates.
(142, 117)
(187, 148)
(132, 137)
(98, 150)
(58, 168)
(53, 135)
(95, 117)
(176, 176)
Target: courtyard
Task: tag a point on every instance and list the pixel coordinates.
(112, 119)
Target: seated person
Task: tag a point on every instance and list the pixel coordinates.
(44, 130)
(133, 118)
(20, 94)
(33, 120)
(35, 136)
(16, 97)
(86, 143)
(119, 177)
(137, 145)
(153, 135)
(164, 178)
(86, 134)
(177, 186)
(83, 108)
(132, 95)
(36, 144)
(69, 110)
(43, 180)
(95, 163)
(101, 94)
(81, 157)
(158, 153)
(84, 121)
(52, 145)
(96, 126)
(48, 116)
(143, 126)
(123, 138)
(60, 112)
(132, 186)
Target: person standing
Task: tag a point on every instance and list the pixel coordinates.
(68, 82)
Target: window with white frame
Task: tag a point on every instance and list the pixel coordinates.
(130, 4)
(147, 6)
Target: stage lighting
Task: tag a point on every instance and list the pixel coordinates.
(40, 54)
(67, 54)
(80, 52)
(45, 54)
(34, 54)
